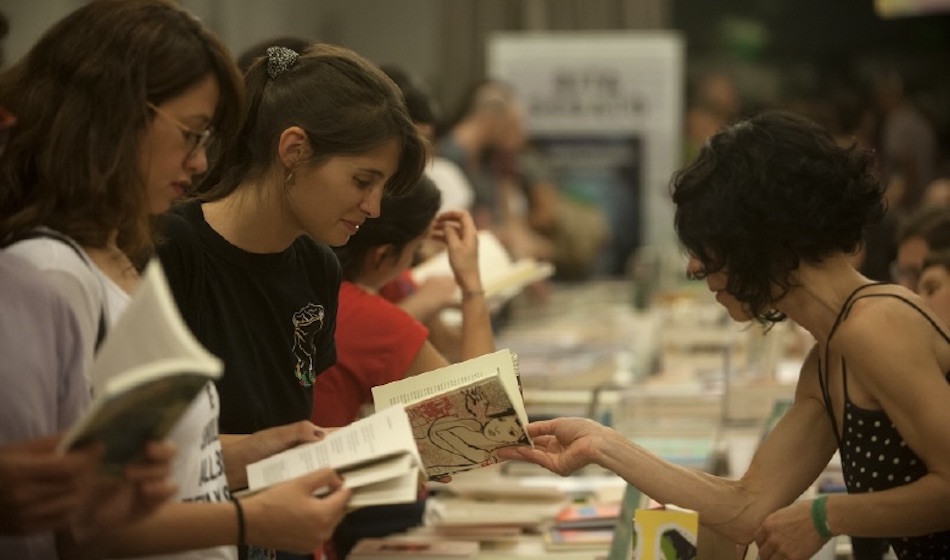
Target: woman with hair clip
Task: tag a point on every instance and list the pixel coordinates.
(249, 260)
(116, 106)
(771, 211)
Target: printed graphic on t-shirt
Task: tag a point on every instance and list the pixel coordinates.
(307, 323)
(210, 485)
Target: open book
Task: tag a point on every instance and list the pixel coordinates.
(463, 413)
(502, 277)
(147, 372)
(376, 455)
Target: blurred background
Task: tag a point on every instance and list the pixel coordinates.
(845, 63)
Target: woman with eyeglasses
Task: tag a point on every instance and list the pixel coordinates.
(116, 106)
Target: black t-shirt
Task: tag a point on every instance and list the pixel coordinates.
(269, 317)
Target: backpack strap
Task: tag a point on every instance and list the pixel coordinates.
(46, 233)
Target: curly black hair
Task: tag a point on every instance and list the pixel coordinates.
(771, 192)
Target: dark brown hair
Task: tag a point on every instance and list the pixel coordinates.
(80, 97)
(344, 102)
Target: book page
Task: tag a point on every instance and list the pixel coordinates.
(502, 277)
(425, 385)
(146, 374)
(463, 429)
(149, 331)
(376, 436)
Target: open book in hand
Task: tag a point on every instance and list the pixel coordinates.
(376, 456)
(146, 374)
(502, 277)
(462, 414)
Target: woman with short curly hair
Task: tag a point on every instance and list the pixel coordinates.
(770, 212)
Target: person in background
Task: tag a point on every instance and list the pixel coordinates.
(486, 140)
(712, 103)
(378, 342)
(248, 257)
(937, 192)
(116, 106)
(769, 212)
(907, 139)
(457, 192)
(426, 300)
(926, 230)
(934, 284)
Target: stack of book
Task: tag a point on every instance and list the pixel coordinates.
(582, 526)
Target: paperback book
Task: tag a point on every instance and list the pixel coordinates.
(462, 414)
(146, 374)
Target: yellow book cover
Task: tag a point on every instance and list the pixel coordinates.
(667, 533)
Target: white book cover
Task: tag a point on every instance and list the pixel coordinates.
(502, 277)
(147, 372)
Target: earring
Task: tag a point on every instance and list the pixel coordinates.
(290, 178)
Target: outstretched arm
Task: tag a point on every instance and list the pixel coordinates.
(734, 508)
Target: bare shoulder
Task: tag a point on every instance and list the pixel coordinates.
(888, 314)
(892, 324)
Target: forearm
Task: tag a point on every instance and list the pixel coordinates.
(177, 527)
(477, 336)
(721, 502)
(235, 459)
(419, 306)
(915, 509)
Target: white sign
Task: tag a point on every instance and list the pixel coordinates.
(605, 85)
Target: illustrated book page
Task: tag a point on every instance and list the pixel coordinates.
(462, 414)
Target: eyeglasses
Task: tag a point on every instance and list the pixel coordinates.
(197, 139)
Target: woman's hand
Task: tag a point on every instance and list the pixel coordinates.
(242, 450)
(457, 230)
(789, 534)
(42, 489)
(111, 503)
(289, 516)
(562, 445)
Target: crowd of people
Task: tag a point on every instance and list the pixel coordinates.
(286, 199)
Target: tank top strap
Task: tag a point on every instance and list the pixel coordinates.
(824, 381)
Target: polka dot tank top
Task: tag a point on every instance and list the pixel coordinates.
(875, 457)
